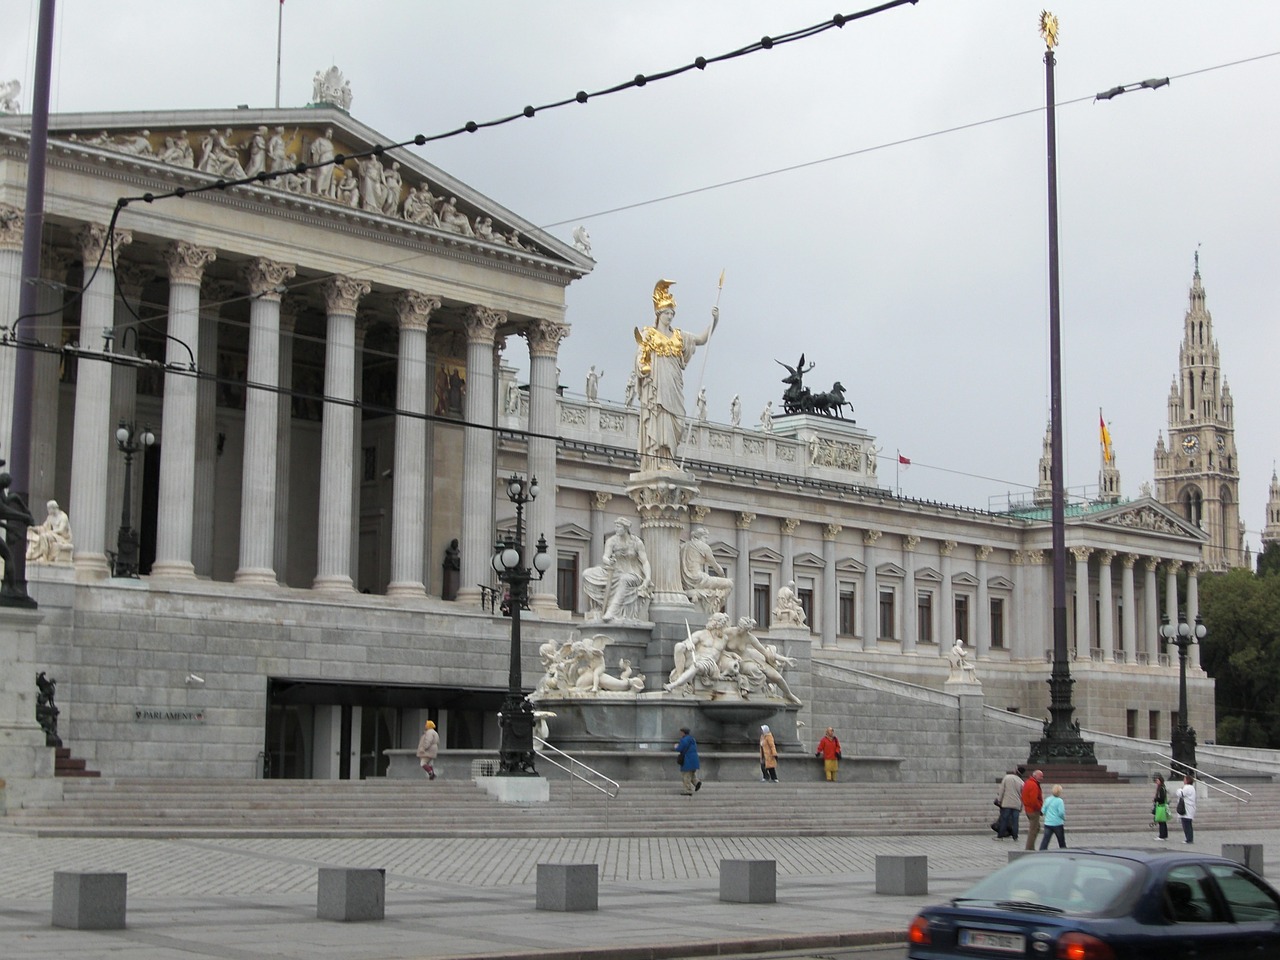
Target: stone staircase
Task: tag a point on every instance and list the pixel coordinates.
(458, 808)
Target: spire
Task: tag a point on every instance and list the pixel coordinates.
(1109, 478)
(1271, 531)
(1044, 489)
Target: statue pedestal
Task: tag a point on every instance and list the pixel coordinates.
(26, 763)
(662, 498)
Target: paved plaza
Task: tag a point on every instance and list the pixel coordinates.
(244, 899)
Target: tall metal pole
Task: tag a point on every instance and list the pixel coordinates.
(32, 232)
(279, 46)
(1061, 742)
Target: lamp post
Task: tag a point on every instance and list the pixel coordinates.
(129, 441)
(516, 752)
(1182, 740)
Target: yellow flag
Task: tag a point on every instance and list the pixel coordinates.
(1105, 436)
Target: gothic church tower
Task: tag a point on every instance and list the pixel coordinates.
(1197, 474)
(1271, 532)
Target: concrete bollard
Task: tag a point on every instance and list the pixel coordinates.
(89, 901)
(568, 887)
(902, 876)
(351, 893)
(749, 881)
(1249, 854)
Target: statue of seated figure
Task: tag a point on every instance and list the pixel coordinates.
(961, 669)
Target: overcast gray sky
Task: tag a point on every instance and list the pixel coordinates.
(912, 266)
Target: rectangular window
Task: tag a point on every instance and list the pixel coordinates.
(962, 618)
(924, 617)
(369, 464)
(805, 596)
(761, 603)
(997, 623)
(567, 582)
(1153, 725)
(886, 614)
(1131, 723)
(848, 611)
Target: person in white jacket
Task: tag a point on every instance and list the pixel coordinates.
(1185, 805)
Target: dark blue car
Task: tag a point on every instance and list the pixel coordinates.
(1106, 905)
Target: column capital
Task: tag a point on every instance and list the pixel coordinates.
(744, 520)
(699, 512)
(983, 551)
(947, 547)
(92, 240)
(788, 525)
(1129, 559)
(186, 261)
(132, 277)
(1153, 564)
(1081, 553)
(54, 262)
(481, 323)
(1029, 557)
(869, 537)
(833, 530)
(600, 499)
(909, 542)
(414, 309)
(214, 292)
(266, 278)
(12, 221)
(1105, 557)
(342, 294)
(545, 336)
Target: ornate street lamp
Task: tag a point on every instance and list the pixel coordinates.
(516, 752)
(130, 442)
(1183, 738)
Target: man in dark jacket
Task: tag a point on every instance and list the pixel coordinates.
(687, 755)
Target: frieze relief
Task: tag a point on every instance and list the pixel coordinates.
(612, 422)
(754, 448)
(573, 416)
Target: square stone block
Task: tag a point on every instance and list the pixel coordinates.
(568, 887)
(749, 881)
(89, 901)
(902, 876)
(1249, 854)
(351, 893)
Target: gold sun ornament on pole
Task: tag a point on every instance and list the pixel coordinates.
(1049, 29)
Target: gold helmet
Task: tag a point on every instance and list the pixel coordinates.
(662, 298)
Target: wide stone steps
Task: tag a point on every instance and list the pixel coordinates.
(154, 808)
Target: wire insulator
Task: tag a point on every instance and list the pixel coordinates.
(528, 111)
(472, 126)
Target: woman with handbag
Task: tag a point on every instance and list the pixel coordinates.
(1160, 809)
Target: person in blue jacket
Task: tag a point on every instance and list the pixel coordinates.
(687, 755)
(1055, 816)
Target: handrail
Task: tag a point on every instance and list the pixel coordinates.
(609, 791)
(1230, 790)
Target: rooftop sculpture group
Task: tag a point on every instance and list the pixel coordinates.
(798, 398)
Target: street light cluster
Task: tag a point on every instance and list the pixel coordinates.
(516, 756)
(130, 441)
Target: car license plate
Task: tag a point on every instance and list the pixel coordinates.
(995, 942)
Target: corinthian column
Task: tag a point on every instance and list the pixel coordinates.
(544, 338)
(1128, 616)
(186, 264)
(1083, 633)
(11, 221)
(258, 484)
(409, 477)
(828, 617)
(1106, 628)
(92, 438)
(481, 325)
(337, 459)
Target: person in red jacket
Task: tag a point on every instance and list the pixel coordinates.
(1032, 799)
(829, 751)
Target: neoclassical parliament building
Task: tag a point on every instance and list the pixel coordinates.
(326, 362)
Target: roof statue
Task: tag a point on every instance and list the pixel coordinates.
(329, 87)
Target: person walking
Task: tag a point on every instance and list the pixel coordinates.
(1186, 808)
(1160, 809)
(1009, 800)
(829, 752)
(687, 757)
(1055, 816)
(768, 756)
(428, 747)
(1032, 800)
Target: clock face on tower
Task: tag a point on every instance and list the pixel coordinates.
(1190, 444)
(1222, 444)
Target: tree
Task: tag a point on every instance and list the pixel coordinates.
(1269, 560)
(1241, 651)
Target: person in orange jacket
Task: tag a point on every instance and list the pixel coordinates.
(1032, 800)
(829, 752)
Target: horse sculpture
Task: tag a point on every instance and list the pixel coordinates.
(831, 402)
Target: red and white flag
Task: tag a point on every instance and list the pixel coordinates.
(903, 461)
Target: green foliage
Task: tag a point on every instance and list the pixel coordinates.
(1269, 560)
(1241, 651)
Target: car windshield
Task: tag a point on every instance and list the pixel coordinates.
(1075, 885)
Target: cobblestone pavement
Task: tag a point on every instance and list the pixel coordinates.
(247, 899)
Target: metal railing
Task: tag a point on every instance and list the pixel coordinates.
(1229, 790)
(578, 771)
